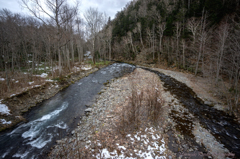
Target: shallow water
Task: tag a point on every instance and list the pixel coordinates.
(56, 117)
(221, 125)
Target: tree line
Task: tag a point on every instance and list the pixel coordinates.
(54, 37)
(201, 36)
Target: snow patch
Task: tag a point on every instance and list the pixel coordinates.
(154, 148)
(30, 82)
(44, 75)
(2, 79)
(12, 95)
(3, 121)
(48, 80)
(86, 68)
(4, 109)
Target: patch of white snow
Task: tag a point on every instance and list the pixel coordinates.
(31, 82)
(4, 109)
(3, 121)
(44, 75)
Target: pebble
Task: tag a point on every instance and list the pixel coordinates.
(88, 110)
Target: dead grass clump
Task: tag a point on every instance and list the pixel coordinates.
(143, 106)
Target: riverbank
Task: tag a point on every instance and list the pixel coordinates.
(101, 133)
(206, 89)
(22, 102)
(177, 133)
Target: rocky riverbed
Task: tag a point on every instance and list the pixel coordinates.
(102, 132)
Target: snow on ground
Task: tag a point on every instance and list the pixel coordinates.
(30, 82)
(48, 80)
(12, 95)
(2, 79)
(44, 75)
(86, 67)
(3, 121)
(4, 109)
(155, 146)
(76, 68)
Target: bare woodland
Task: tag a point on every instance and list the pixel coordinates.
(53, 40)
(164, 32)
(194, 44)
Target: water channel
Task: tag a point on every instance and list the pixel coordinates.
(56, 117)
(222, 126)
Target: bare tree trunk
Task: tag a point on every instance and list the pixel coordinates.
(223, 34)
(139, 26)
(203, 36)
(72, 50)
(178, 34)
(68, 57)
(153, 41)
(183, 58)
(110, 50)
(59, 61)
(161, 28)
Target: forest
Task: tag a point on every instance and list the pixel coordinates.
(198, 36)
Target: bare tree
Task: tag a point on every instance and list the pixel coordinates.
(222, 36)
(203, 37)
(139, 27)
(130, 39)
(193, 26)
(109, 41)
(79, 39)
(95, 21)
(178, 31)
(56, 11)
(161, 27)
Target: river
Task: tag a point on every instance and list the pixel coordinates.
(56, 117)
(222, 126)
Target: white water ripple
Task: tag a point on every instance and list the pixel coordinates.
(36, 125)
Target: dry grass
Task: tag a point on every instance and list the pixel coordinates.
(18, 81)
(144, 106)
(141, 109)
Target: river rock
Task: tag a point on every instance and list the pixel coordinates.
(60, 141)
(88, 110)
(208, 103)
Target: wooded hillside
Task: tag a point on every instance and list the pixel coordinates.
(201, 36)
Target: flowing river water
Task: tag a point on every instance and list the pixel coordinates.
(58, 116)
(222, 126)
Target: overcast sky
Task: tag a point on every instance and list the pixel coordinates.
(111, 7)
